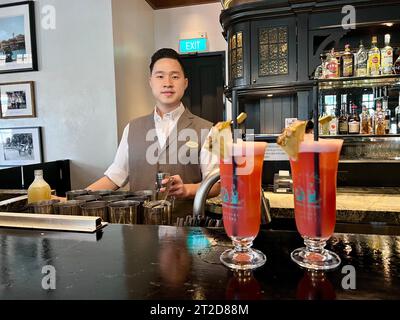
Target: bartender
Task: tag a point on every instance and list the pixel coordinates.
(154, 142)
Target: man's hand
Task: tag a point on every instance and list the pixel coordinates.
(62, 199)
(180, 190)
(177, 189)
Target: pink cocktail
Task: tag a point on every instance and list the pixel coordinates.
(314, 175)
(240, 172)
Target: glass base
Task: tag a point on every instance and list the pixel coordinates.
(243, 260)
(314, 256)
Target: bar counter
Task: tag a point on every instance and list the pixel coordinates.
(353, 205)
(162, 262)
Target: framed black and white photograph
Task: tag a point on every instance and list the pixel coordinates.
(17, 37)
(20, 146)
(17, 100)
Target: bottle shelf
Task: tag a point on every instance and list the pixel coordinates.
(271, 136)
(358, 82)
(360, 136)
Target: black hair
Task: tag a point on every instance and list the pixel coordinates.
(166, 53)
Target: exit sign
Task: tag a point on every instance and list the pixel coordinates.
(193, 45)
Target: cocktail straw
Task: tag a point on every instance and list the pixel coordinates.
(235, 110)
(316, 163)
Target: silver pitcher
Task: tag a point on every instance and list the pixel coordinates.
(123, 212)
(95, 209)
(70, 207)
(158, 212)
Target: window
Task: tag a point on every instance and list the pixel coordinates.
(330, 104)
(368, 100)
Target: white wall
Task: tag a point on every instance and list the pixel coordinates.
(85, 97)
(172, 24)
(133, 28)
(75, 87)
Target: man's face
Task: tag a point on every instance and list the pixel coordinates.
(168, 83)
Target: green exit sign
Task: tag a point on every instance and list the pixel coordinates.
(193, 45)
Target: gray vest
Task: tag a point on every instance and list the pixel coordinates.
(142, 174)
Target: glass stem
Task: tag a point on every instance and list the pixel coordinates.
(242, 245)
(315, 245)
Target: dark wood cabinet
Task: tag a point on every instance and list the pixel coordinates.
(273, 51)
(239, 55)
(262, 52)
(282, 44)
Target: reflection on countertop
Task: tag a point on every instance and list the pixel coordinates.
(160, 262)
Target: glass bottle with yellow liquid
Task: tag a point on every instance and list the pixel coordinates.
(374, 59)
(39, 190)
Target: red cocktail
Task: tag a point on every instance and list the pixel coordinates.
(314, 183)
(240, 172)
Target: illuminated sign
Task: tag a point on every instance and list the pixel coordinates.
(193, 45)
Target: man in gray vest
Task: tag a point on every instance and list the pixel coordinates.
(170, 139)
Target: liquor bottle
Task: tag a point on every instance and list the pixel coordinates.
(332, 65)
(343, 123)
(374, 59)
(365, 121)
(319, 71)
(361, 61)
(397, 116)
(354, 120)
(387, 56)
(333, 124)
(393, 126)
(347, 62)
(39, 189)
(379, 119)
(386, 111)
(396, 67)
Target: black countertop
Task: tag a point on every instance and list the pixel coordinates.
(159, 262)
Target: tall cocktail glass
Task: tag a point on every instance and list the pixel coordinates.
(240, 171)
(314, 175)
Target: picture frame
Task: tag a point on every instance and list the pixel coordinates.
(17, 100)
(18, 37)
(20, 146)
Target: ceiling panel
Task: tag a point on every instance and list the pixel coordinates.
(163, 4)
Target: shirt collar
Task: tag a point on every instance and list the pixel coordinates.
(173, 115)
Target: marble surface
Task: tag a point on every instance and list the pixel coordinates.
(353, 205)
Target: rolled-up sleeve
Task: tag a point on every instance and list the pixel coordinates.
(118, 171)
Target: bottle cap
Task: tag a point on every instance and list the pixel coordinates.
(38, 172)
(374, 39)
(387, 38)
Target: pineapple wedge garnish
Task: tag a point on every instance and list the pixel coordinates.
(221, 135)
(325, 119)
(291, 138)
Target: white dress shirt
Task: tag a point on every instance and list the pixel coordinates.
(118, 171)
